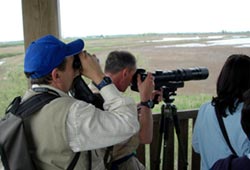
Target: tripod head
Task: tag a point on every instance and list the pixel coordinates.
(170, 90)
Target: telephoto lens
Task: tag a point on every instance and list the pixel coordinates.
(171, 77)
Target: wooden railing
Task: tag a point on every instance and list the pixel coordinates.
(173, 159)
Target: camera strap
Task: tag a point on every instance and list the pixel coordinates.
(108, 158)
(224, 131)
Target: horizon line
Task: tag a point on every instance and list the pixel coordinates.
(136, 34)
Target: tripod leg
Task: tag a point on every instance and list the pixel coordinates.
(165, 142)
(177, 130)
(159, 140)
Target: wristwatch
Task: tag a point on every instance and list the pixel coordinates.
(150, 104)
(105, 81)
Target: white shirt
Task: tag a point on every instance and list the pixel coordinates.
(90, 128)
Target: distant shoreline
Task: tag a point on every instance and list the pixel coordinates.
(142, 34)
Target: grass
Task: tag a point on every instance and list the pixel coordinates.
(190, 102)
(11, 44)
(13, 83)
(6, 55)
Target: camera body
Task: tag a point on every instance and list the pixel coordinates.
(171, 78)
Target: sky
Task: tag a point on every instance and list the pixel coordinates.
(110, 17)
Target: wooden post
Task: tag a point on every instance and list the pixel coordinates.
(40, 17)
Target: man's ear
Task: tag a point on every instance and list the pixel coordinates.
(125, 72)
(55, 74)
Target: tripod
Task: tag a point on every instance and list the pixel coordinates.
(168, 116)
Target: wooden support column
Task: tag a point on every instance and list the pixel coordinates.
(40, 17)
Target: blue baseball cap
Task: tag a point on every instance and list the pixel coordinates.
(48, 52)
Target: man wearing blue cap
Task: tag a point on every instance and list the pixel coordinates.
(67, 125)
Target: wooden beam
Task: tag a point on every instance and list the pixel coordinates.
(40, 17)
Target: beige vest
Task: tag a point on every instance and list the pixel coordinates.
(119, 150)
(49, 137)
(124, 149)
